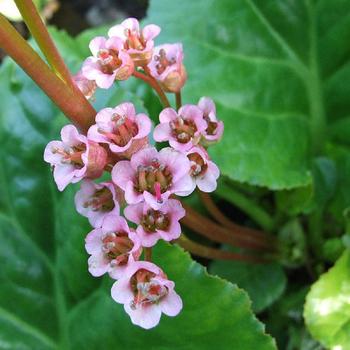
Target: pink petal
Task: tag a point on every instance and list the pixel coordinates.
(184, 186)
(121, 291)
(134, 212)
(150, 31)
(131, 196)
(146, 317)
(93, 241)
(207, 105)
(97, 44)
(98, 265)
(50, 156)
(147, 239)
(207, 183)
(96, 136)
(117, 31)
(167, 115)
(122, 173)
(132, 24)
(143, 157)
(144, 124)
(63, 175)
(162, 132)
(171, 305)
(70, 135)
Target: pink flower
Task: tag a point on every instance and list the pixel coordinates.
(112, 247)
(146, 292)
(74, 157)
(166, 66)
(203, 171)
(121, 128)
(156, 224)
(97, 201)
(108, 63)
(215, 128)
(138, 44)
(153, 176)
(183, 129)
(86, 86)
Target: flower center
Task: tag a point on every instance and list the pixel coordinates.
(123, 130)
(109, 61)
(163, 62)
(134, 40)
(211, 129)
(101, 200)
(183, 130)
(155, 220)
(147, 290)
(154, 178)
(72, 155)
(198, 166)
(117, 246)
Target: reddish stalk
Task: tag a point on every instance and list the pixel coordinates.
(225, 221)
(154, 84)
(216, 233)
(212, 253)
(74, 106)
(39, 32)
(178, 100)
(148, 254)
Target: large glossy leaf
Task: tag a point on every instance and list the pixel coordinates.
(327, 308)
(264, 283)
(47, 298)
(274, 68)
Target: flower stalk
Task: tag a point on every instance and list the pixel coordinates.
(73, 105)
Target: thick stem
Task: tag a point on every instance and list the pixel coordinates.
(222, 219)
(217, 233)
(75, 107)
(153, 83)
(178, 100)
(39, 32)
(212, 253)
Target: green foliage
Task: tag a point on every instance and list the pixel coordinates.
(327, 308)
(47, 299)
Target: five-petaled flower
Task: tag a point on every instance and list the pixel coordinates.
(137, 43)
(112, 247)
(166, 66)
(109, 62)
(146, 293)
(183, 130)
(121, 128)
(215, 128)
(204, 172)
(97, 201)
(153, 176)
(74, 158)
(156, 224)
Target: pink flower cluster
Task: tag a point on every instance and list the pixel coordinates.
(144, 181)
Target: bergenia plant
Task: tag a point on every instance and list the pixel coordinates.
(132, 189)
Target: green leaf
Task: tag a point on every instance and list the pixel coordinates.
(47, 298)
(264, 283)
(275, 69)
(327, 308)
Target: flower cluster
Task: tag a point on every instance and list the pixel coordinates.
(138, 206)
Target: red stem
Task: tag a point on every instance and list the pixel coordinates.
(211, 230)
(212, 253)
(74, 106)
(39, 32)
(222, 219)
(153, 83)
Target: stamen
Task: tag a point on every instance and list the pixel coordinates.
(158, 193)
